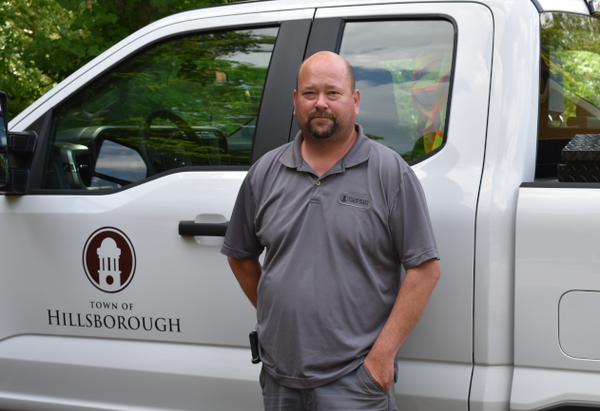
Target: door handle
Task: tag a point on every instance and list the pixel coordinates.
(191, 229)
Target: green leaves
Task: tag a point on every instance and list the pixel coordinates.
(43, 41)
(21, 24)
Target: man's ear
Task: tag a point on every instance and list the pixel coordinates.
(356, 97)
(295, 94)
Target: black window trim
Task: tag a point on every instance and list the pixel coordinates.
(573, 406)
(560, 184)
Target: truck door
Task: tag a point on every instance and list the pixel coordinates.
(114, 292)
(418, 67)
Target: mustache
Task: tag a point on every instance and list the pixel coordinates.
(325, 114)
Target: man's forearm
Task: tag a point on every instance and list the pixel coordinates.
(247, 273)
(408, 308)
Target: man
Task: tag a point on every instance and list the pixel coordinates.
(338, 215)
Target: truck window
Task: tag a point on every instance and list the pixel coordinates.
(569, 86)
(403, 70)
(3, 143)
(186, 102)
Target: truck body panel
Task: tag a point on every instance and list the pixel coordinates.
(110, 302)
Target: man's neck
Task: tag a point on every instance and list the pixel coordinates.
(322, 154)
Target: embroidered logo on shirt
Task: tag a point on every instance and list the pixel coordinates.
(355, 200)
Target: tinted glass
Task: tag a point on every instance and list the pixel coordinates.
(403, 71)
(190, 101)
(3, 142)
(569, 85)
(2, 131)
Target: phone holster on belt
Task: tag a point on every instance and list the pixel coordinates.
(254, 347)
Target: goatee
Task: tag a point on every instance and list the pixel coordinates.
(328, 131)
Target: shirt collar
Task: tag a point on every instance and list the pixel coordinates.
(358, 153)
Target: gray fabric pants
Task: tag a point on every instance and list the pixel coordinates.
(357, 391)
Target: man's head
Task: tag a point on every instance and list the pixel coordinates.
(326, 102)
(349, 69)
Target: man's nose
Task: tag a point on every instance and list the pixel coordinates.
(321, 103)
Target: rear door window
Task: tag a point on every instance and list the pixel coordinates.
(184, 103)
(403, 70)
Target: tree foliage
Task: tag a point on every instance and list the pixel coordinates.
(20, 23)
(44, 41)
(571, 55)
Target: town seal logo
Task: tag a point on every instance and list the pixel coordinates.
(109, 260)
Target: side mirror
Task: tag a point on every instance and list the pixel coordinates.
(16, 152)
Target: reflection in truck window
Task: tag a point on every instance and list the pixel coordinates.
(119, 162)
(3, 141)
(569, 87)
(174, 105)
(403, 70)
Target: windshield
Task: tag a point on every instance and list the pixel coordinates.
(569, 86)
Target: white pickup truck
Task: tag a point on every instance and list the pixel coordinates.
(118, 185)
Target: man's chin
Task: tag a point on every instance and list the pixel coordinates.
(322, 129)
(322, 133)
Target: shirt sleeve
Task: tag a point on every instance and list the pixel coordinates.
(410, 224)
(240, 240)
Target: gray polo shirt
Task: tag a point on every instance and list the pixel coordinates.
(334, 246)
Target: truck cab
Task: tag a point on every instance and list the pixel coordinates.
(118, 184)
